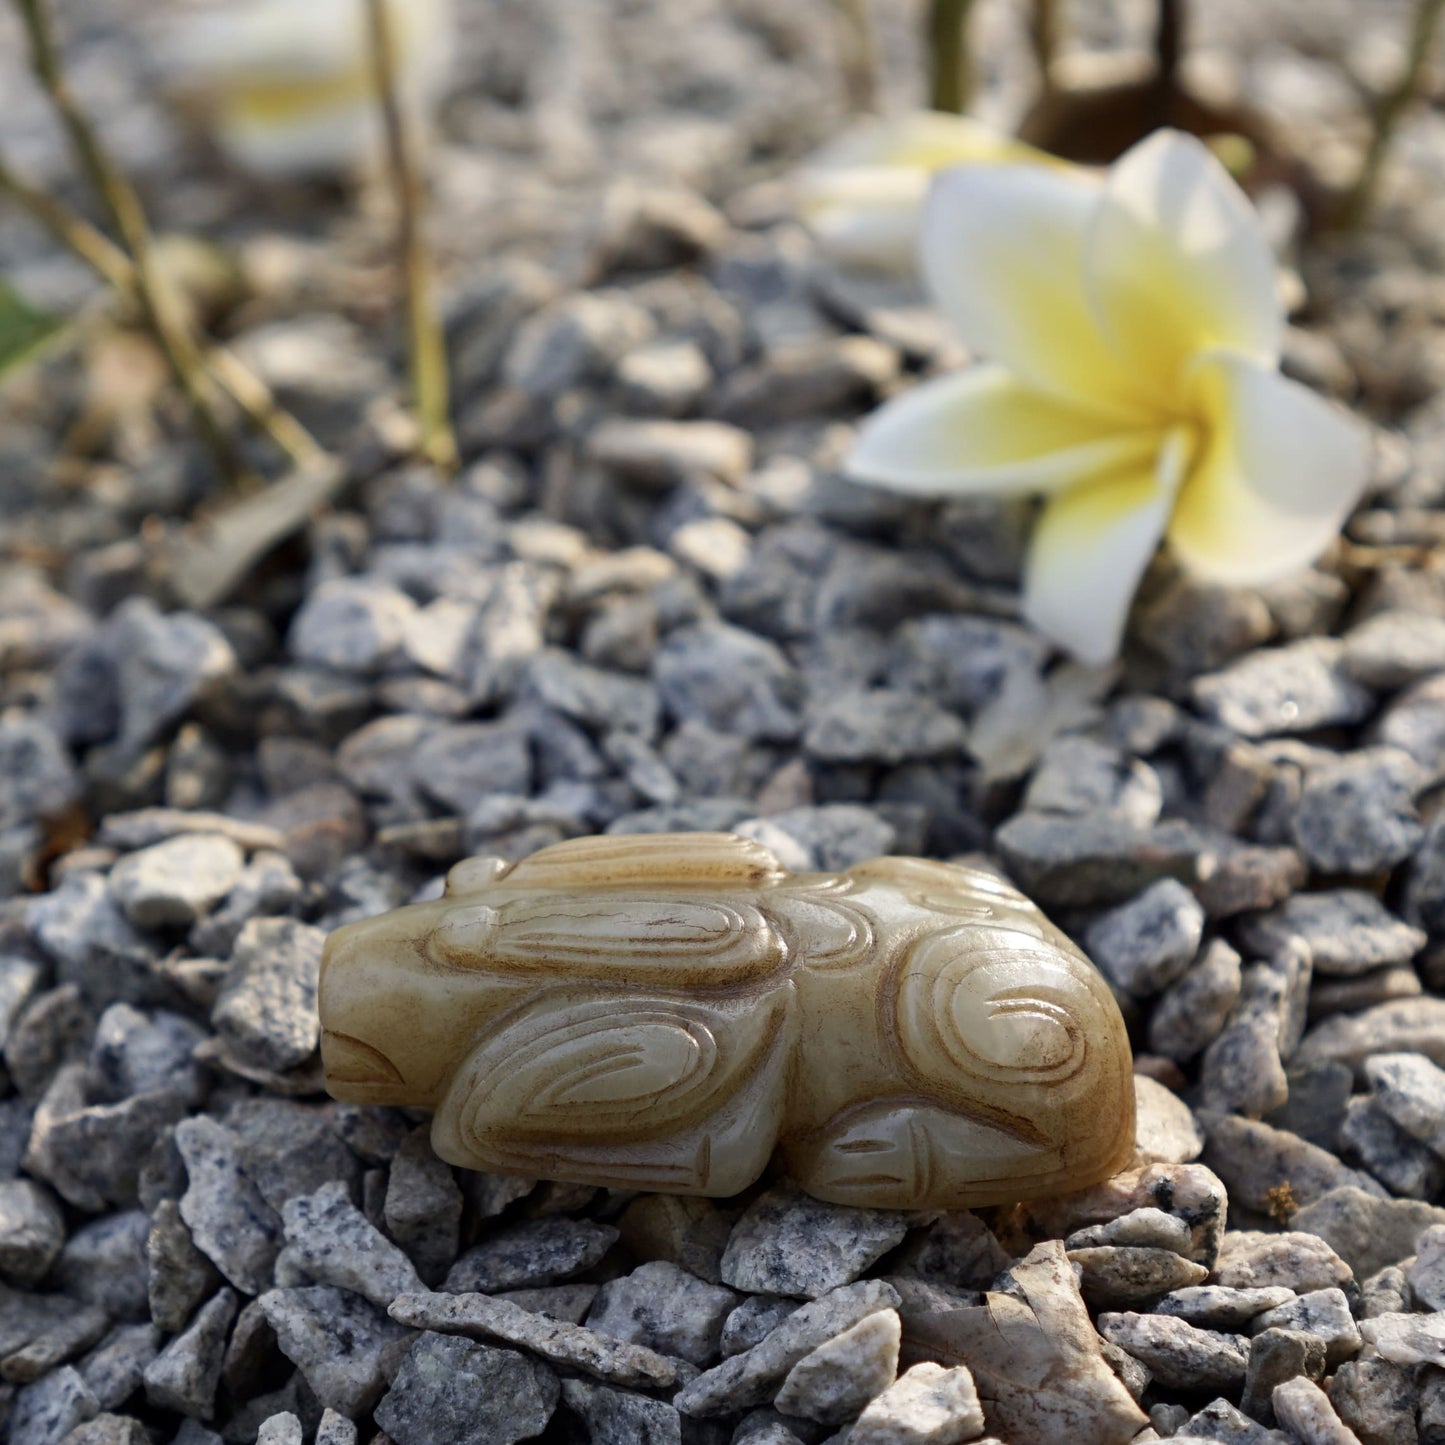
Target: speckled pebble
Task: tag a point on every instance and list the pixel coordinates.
(1146, 944)
(537, 1252)
(666, 1309)
(335, 1244)
(451, 1391)
(927, 1405)
(1179, 1355)
(620, 1417)
(835, 1381)
(788, 1243)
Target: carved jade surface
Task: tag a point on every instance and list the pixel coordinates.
(665, 1012)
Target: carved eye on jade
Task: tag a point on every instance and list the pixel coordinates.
(665, 1011)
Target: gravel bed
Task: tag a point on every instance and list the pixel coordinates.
(649, 602)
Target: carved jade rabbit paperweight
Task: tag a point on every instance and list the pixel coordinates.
(664, 1012)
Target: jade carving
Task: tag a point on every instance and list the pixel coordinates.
(665, 1012)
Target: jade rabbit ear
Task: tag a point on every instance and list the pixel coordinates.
(660, 860)
(476, 875)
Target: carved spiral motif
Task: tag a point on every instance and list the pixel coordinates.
(1003, 1009)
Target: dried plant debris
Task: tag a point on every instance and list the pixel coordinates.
(648, 602)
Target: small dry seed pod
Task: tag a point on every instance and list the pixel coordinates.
(664, 1012)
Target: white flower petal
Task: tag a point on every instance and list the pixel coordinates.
(862, 195)
(1002, 250)
(869, 216)
(1089, 549)
(1177, 260)
(1280, 471)
(981, 430)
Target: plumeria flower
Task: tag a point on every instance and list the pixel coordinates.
(1134, 329)
(286, 85)
(863, 195)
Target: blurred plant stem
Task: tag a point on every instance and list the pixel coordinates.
(951, 82)
(429, 380)
(113, 266)
(859, 53)
(1046, 33)
(126, 214)
(1391, 108)
(1168, 52)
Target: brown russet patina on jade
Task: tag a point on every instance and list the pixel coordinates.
(666, 1011)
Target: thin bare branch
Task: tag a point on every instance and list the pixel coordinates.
(950, 60)
(1046, 34)
(113, 266)
(1392, 107)
(128, 217)
(859, 53)
(429, 379)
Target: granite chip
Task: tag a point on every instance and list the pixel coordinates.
(1411, 1091)
(184, 1376)
(1292, 689)
(752, 1377)
(1322, 1313)
(1180, 1356)
(32, 1231)
(1146, 944)
(752, 1321)
(336, 1244)
(1427, 1274)
(47, 1411)
(282, 1428)
(451, 1391)
(352, 624)
(1367, 1231)
(1219, 1307)
(666, 1309)
(1348, 931)
(1253, 1158)
(1304, 1410)
(611, 1360)
(927, 1405)
(835, 1381)
(1276, 1355)
(619, 1417)
(1412, 1025)
(1122, 1276)
(1407, 1339)
(1394, 648)
(1191, 1013)
(423, 1207)
(1357, 815)
(536, 1252)
(231, 1224)
(792, 1244)
(174, 883)
(266, 1009)
(1293, 1259)
(1164, 1125)
(115, 1368)
(1376, 1400)
(346, 1348)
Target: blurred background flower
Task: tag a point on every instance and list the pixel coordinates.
(285, 86)
(862, 195)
